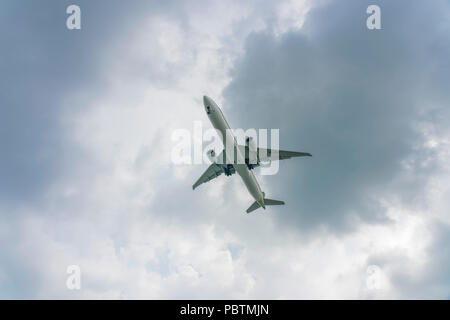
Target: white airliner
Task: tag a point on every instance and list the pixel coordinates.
(240, 160)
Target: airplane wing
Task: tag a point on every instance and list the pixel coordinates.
(213, 171)
(273, 154)
(265, 155)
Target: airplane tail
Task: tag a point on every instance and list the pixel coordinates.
(267, 202)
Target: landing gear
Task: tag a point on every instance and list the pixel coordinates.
(250, 166)
(229, 169)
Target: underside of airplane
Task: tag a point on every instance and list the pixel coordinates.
(249, 157)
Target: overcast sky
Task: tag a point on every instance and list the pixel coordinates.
(86, 177)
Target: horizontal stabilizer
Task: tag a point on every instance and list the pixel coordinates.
(253, 207)
(270, 202)
(267, 202)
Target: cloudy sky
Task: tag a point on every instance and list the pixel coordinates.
(86, 177)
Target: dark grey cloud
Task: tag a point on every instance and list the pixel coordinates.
(43, 63)
(353, 98)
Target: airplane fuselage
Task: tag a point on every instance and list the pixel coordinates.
(219, 122)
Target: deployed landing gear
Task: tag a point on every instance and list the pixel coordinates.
(229, 170)
(250, 166)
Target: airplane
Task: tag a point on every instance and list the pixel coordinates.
(239, 160)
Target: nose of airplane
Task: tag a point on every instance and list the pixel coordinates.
(206, 100)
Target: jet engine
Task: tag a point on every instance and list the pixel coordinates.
(251, 156)
(250, 142)
(211, 155)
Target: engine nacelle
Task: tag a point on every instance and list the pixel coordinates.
(211, 155)
(250, 142)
